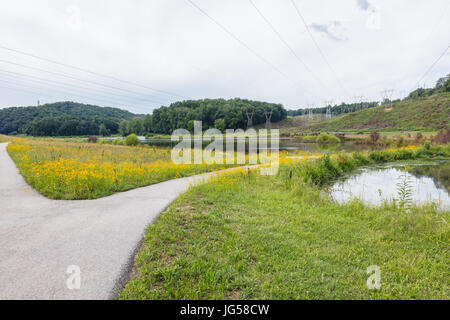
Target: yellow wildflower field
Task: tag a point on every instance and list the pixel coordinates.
(63, 169)
(67, 170)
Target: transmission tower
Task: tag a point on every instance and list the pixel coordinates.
(387, 95)
(358, 101)
(310, 113)
(249, 119)
(328, 114)
(268, 115)
(328, 104)
(364, 103)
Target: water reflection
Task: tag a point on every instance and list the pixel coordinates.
(374, 185)
(439, 173)
(289, 145)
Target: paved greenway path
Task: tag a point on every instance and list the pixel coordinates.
(40, 238)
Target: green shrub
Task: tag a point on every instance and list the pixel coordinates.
(331, 166)
(309, 138)
(132, 140)
(346, 162)
(403, 155)
(381, 156)
(92, 139)
(320, 171)
(422, 153)
(374, 136)
(118, 142)
(400, 142)
(360, 159)
(327, 138)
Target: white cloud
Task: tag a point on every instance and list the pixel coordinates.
(333, 30)
(170, 45)
(364, 5)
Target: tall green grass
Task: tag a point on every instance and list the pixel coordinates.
(248, 236)
(328, 167)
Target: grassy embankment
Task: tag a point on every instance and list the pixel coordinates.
(246, 236)
(424, 114)
(67, 170)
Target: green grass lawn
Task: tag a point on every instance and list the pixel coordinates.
(248, 236)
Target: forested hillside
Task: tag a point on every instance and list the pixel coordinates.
(62, 118)
(214, 113)
(70, 118)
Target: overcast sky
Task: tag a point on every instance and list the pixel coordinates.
(361, 48)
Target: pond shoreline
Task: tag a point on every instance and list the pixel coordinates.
(420, 182)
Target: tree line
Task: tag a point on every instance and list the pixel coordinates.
(62, 119)
(71, 126)
(71, 119)
(214, 113)
(75, 119)
(335, 110)
(442, 85)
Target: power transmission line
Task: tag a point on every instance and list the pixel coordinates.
(287, 45)
(77, 79)
(242, 43)
(91, 72)
(437, 22)
(68, 92)
(431, 67)
(318, 48)
(23, 90)
(386, 95)
(38, 79)
(124, 107)
(62, 93)
(38, 94)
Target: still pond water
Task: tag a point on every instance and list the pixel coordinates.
(289, 145)
(427, 182)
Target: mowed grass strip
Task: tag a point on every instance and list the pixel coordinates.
(247, 236)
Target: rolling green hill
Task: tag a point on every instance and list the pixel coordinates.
(421, 114)
(61, 118)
